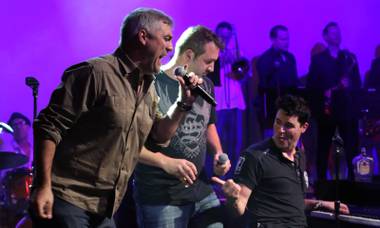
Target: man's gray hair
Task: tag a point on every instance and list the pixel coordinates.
(142, 18)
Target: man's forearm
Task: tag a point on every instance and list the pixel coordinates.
(166, 127)
(147, 157)
(235, 207)
(44, 155)
(213, 139)
(312, 204)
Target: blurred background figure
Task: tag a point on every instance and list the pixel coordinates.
(372, 79)
(371, 124)
(334, 71)
(230, 69)
(16, 156)
(277, 72)
(309, 139)
(22, 139)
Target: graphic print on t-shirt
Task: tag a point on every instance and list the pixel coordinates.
(189, 138)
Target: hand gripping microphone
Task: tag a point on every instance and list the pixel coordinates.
(180, 71)
(222, 159)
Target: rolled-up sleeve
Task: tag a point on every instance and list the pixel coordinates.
(74, 95)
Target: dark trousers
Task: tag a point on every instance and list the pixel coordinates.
(246, 221)
(348, 130)
(66, 215)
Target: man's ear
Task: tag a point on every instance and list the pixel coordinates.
(304, 127)
(189, 55)
(143, 36)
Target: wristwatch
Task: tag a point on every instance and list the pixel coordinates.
(184, 107)
(318, 205)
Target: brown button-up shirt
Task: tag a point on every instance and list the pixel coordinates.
(99, 122)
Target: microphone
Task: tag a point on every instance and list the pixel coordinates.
(222, 159)
(31, 82)
(180, 71)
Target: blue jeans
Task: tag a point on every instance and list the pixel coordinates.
(204, 213)
(66, 215)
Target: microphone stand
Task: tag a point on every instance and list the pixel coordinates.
(33, 83)
(338, 142)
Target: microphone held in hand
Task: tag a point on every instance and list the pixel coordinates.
(222, 159)
(180, 71)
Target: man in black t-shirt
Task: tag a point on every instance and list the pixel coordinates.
(172, 189)
(270, 178)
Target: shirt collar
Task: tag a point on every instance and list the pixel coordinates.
(130, 68)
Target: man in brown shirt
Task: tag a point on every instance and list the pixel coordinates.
(89, 137)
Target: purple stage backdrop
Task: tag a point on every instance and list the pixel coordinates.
(41, 38)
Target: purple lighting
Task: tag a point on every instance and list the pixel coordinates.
(42, 38)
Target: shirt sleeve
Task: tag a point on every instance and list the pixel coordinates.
(151, 143)
(74, 95)
(248, 170)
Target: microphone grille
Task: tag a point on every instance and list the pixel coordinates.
(223, 158)
(180, 71)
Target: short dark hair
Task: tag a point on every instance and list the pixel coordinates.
(328, 26)
(294, 106)
(147, 18)
(195, 38)
(275, 29)
(17, 115)
(224, 24)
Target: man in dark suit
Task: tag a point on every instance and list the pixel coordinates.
(333, 71)
(277, 71)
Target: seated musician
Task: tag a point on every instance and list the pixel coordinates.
(22, 142)
(270, 178)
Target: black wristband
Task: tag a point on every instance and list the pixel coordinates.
(184, 107)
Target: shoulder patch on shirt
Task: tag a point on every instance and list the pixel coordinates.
(239, 165)
(306, 178)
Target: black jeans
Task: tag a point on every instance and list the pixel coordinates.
(66, 215)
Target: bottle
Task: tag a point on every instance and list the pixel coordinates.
(363, 166)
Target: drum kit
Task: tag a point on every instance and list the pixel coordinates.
(15, 180)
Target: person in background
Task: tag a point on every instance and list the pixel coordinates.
(334, 71)
(229, 94)
(277, 72)
(22, 141)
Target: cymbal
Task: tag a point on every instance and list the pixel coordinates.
(11, 159)
(6, 128)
